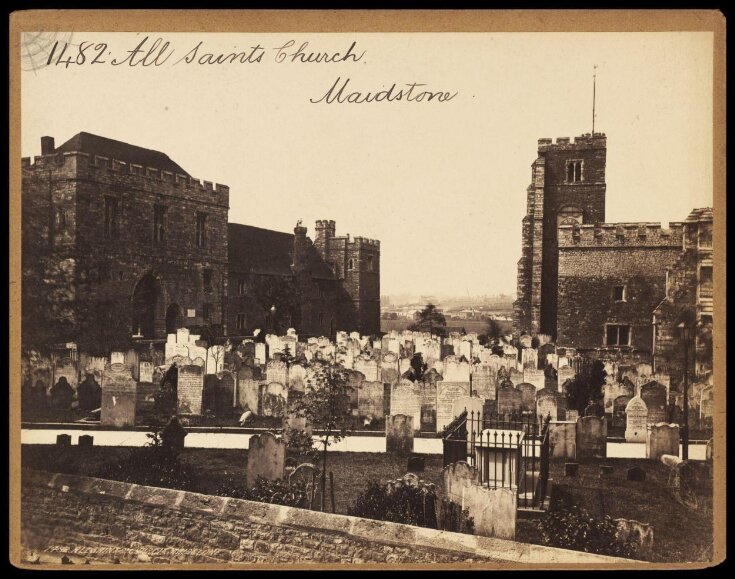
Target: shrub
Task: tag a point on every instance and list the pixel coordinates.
(411, 503)
(277, 492)
(574, 528)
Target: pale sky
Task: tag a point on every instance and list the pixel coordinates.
(441, 184)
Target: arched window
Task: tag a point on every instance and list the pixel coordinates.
(350, 264)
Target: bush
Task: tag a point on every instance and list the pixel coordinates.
(574, 528)
(411, 503)
(277, 492)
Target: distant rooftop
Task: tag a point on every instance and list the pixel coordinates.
(112, 149)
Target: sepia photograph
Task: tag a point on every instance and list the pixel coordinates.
(367, 289)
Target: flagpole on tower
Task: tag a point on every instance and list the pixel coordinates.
(594, 83)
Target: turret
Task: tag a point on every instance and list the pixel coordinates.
(325, 230)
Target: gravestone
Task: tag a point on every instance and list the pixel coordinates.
(618, 410)
(528, 397)
(662, 439)
(654, 395)
(572, 415)
(546, 406)
(563, 439)
(509, 400)
(190, 390)
(67, 368)
(119, 391)
(636, 419)
(370, 400)
(86, 441)
(399, 431)
(706, 403)
(172, 437)
(266, 458)
(89, 394)
(416, 464)
(571, 468)
(406, 400)
(296, 377)
(591, 437)
(225, 397)
(529, 359)
(63, 440)
(145, 371)
(447, 393)
(276, 371)
(563, 374)
(594, 409)
(428, 405)
(273, 399)
(483, 381)
(457, 477)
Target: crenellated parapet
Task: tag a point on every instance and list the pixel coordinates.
(586, 141)
(96, 166)
(607, 235)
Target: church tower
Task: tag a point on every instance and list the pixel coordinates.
(568, 185)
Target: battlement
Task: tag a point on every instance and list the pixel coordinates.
(586, 141)
(610, 235)
(74, 160)
(364, 242)
(325, 224)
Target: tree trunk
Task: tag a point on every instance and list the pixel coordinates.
(324, 471)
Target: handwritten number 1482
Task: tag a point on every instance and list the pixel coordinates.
(80, 58)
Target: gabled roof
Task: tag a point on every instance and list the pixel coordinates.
(112, 149)
(264, 251)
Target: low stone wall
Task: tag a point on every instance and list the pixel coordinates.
(105, 520)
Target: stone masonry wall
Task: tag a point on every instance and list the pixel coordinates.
(105, 520)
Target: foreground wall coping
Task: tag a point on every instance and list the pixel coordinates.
(279, 515)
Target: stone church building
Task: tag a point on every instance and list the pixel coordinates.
(120, 242)
(608, 289)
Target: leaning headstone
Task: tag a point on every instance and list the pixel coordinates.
(636, 419)
(399, 431)
(119, 392)
(266, 458)
(662, 439)
(591, 437)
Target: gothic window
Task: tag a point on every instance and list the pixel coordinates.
(201, 229)
(370, 263)
(240, 321)
(617, 335)
(207, 280)
(159, 212)
(112, 217)
(574, 171)
(241, 287)
(350, 264)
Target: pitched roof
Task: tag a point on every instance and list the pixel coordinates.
(112, 149)
(264, 251)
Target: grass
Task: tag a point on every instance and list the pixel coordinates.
(679, 534)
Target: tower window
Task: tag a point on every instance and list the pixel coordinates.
(240, 323)
(206, 311)
(159, 212)
(112, 217)
(350, 264)
(619, 293)
(574, 171)
(201, 229)
(617, 335)
(321, 319)
(705, 282)
(207, 280)
(370, 263)
(241, 287)
(61, 219)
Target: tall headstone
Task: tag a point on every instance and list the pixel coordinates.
(399, 431)
(528, 397)
(274, 397)
(447, 393)
(266, 458)
(662, 439)
(636, 416)
(591, 437)
(546, 406)
(190, 390)
(406, 399)
(370, 400)
(654, 395)
(118, 397)
(509, 400)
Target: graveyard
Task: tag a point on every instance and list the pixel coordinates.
(496, 435)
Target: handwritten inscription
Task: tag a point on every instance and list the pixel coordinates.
(158, 52)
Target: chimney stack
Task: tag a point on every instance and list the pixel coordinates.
(48, 146)
(300, 249)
